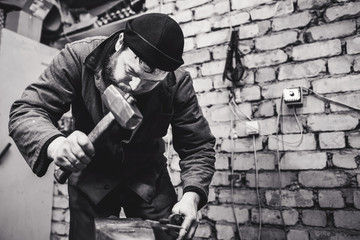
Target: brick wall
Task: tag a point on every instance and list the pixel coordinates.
(308, 43)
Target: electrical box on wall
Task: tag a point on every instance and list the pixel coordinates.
(293, 96)
(252, 128)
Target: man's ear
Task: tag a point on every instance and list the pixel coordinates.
(119, 42)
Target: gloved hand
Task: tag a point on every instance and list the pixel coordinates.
(188, 207)
(73, 153)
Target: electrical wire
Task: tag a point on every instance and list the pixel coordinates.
(257, 187)
(232, 174)
(297, 142)
(279, 168)
(331, 100)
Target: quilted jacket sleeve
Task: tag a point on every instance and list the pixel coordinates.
(33, 117)
(192, 140)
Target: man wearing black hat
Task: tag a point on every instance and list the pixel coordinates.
(128, 169)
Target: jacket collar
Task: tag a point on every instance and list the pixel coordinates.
(95, 60)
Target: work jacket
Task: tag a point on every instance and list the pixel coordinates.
(134, 158)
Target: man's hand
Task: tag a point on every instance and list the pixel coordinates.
(187, 206)
(72, 153)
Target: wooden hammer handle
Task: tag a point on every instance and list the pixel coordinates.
(61, 174)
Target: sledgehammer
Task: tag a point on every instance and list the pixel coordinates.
(122, 110)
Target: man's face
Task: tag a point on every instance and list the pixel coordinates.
(130, 73)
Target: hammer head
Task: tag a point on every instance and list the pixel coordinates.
(123, 107)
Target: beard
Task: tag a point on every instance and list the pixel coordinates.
(109, 77)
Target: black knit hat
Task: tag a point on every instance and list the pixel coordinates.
(157, 40)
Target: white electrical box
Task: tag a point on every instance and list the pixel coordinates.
(252, 127)
(293, 96)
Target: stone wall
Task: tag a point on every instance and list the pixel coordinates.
(313, 44)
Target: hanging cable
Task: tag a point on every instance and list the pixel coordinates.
(232, 174)
(279, 168)
(331, 100)
(257, 187)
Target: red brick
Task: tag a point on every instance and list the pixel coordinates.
(60, 228)
(202, 84)
(302, 70)
(254, 29)
(251, 233)
(323, 179)
(337, 12)
(338, 84)
(265, 109)
(251, 93)
(350, 99)
(316, 50)
(293, 142)
(265, 75)
(296, 20)
(329, 235)
(222, 7)
(331, 199)
(212, 98)
(267, 126)
(168, 8)
(303, 160)
(194, 28)
(333, 30)
(220, 179)
(311, 104)
(353, 45)
(314, 218)
(345, 159)
(224, 232)
(224, 113)
(269, 58)
(269, 11)
(174, 163)
(271, 179)
(175, 178)
(203, 230)
(298, 235)
(60, 215)
(247, 197)
(272, 217)
(233, 19)
(338, 65)
(246, 161)
(247, 4)
(241, 145)
(357, 199)
(61, 202)
(357, 64)
(332, 140)
(187, 4)
(225, 213)
(299, 198)
(277, 40)
(151, 4)
(306, 4)
(197, 56)
(212, 38)
(189, 44)
(290, 125)
(354, 140)
(183, 16)
(204, 11)
(347, 219)
(332, 122)
(222, 161)
(276, 90)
